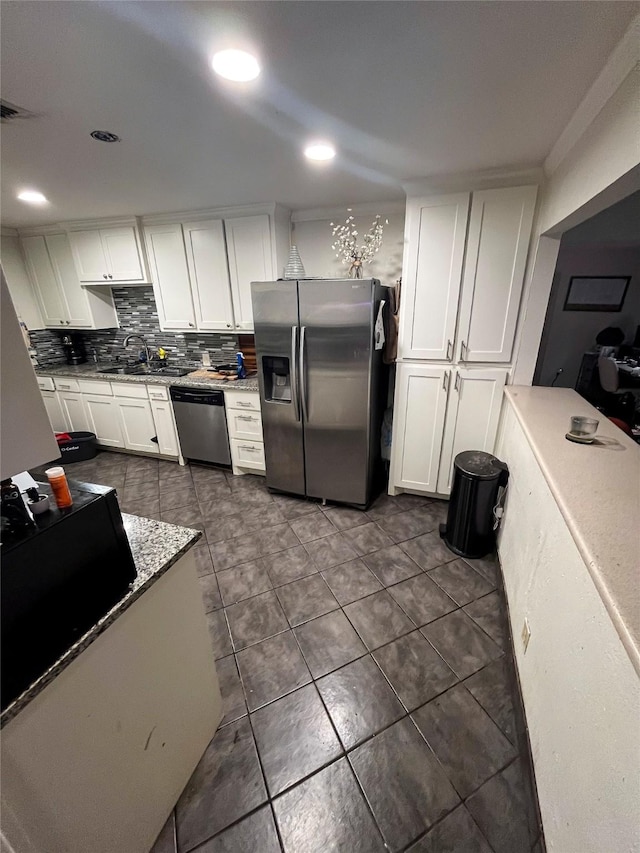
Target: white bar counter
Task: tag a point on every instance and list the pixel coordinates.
(569, 549)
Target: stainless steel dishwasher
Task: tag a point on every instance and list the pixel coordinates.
(202, 424)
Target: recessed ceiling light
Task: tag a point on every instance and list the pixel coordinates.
(320, 151)
(237, 65)
(105, 136)
(32, 197)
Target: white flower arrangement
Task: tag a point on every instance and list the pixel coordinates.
(345, 243)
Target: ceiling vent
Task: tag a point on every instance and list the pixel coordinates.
(8, 111)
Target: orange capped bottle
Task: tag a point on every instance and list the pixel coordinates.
(58, 482)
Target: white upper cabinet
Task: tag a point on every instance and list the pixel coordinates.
(48, 291)
(473, 411)
(108, 255)
(20, 285)
(434, 239)
(209, 273)
(418, 423)
(249, 249)
(62, 299)
(497, 245)
(170, 275)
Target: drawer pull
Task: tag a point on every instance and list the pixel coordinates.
(246, 418)
(249, 448)
(244, 405)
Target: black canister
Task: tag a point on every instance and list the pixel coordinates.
(470, 527)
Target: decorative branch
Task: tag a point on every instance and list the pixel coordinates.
(346, 246)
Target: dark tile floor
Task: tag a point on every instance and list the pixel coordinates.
(366, 673)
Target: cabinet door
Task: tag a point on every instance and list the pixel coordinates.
(170, 276)
(138, 428)
(88, 255)
(54, 410)
(74, 411)
(472, 417)
(435, 237)
(209, 273)
(250, 259)
(48, 293)
(74, 295)
(418, 423)
(497, 245)
(165, 428)
(122, 254)
(104, 419)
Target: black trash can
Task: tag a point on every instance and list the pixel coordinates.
(477, 477)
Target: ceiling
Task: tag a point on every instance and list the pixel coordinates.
(405, 90)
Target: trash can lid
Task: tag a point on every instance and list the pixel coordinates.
(478, 464)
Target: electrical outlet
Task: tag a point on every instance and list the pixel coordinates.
(526, 634)
(206, 359)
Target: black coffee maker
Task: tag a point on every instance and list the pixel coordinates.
(73, 346)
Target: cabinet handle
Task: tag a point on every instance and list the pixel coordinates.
(191, 325)
(249, 448)
(463, 350)
(110, 276)
(61, 322)
(228, 325)
(155, 439)
(449, 350)
(457, 385)
(244, 405)
(246, 418)
(104, 275)
(68, 322)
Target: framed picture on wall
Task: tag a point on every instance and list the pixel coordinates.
(596, 293)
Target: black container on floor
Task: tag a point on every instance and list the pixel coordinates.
(477, 477)
(82, 446)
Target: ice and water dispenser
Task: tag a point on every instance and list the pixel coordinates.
(276, 375)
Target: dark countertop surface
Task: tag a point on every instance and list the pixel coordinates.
(96, 371)
(155, 546)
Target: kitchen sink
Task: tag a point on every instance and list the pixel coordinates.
(141, 370)
(128, 371)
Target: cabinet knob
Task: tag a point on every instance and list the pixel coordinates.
(104, 275)
(68, 322)
(110, 276)
(61, 322)
(228, 325)
(191, 325)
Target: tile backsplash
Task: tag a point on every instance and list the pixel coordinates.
(137, 314)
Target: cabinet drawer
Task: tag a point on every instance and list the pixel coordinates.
(244, 424)
(242, 400)
(90, 386)
(158, 392)
(130, 390)
(64, 384)
(247, 454)
(45, 383)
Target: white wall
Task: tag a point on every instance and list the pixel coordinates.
(580, 690)
(594, 171)
(313, 238)
(568, 334)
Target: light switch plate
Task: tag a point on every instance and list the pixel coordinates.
(206, 359)
(526, 634)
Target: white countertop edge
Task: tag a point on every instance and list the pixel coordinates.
(628, 640)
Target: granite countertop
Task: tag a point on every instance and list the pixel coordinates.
(96, 371)
(597, 489)
(155, 546)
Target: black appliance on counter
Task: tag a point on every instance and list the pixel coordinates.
(73, 346)
(58, 579)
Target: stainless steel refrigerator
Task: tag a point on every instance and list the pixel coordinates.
(321, 386)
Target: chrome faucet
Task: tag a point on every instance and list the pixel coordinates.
(144, 344)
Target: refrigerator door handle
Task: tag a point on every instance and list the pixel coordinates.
(295, 396)
(302, 377)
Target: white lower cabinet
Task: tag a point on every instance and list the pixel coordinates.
(72, 404)
(438, 413)
(104, 419)
(473, 410)
(419, 410)
(54, 410)
(138, 428)
(165, 428)
(245, 431)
